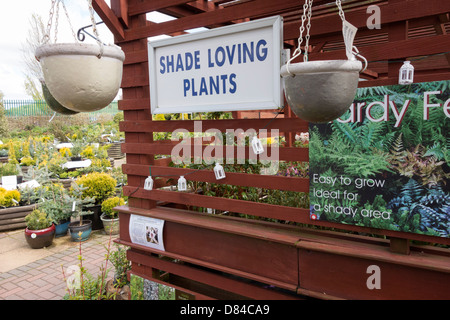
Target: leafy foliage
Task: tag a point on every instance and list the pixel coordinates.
(412, 159)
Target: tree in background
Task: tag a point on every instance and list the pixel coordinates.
(33, 71)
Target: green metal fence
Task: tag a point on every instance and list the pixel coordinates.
(23, 108)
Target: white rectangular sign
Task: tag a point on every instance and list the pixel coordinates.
(230, 68)
(146, 231)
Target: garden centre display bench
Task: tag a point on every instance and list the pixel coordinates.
(221, 257)
(269, 237)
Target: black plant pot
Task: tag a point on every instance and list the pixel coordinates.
(97, 223)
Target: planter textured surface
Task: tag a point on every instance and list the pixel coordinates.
(37, 239)
(110, 225)
(77, 78)
(321, 91)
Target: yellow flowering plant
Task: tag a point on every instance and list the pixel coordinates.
(9, 198)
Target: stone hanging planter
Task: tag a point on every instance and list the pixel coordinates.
(322, 91)
(53, 103)
(77, 78)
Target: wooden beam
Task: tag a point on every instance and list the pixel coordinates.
(109, 18)
(402, 11)
(214, 17)
(395, 49)
(135, 7)
(120, 8)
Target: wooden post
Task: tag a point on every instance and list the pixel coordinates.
(400, 245)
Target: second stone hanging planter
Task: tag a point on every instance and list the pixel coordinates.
(322, 91)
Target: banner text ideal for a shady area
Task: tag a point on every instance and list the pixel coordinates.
(220, 56)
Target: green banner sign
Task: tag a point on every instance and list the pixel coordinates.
(385, 163)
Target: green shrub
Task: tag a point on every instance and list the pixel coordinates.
(109, 204)
(97, 185)
(37, 220)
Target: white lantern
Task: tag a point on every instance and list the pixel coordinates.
(219, 172)
(406, 74)
(182, 184)
(148, 183)
(257, 145)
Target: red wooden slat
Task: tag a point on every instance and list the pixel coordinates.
(232, 178)
(231, 205)
(285, 153)
(283, 125)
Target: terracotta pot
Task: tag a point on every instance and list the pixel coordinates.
(77, 78)
(37, 239)
(321, 91)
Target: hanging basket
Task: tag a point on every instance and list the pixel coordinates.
(77, 78)
(321, 91)
(53, 103)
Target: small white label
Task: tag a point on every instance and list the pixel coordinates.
(33, 235)
(349, 32)
(73, 205)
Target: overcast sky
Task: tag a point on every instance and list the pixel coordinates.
(15, 24)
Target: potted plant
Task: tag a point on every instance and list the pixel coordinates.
(79, 230)
(110, 217)
(98, 186)
(40, 230)
(76, 150)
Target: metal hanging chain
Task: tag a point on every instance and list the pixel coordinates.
(46, 37)
(56, 21)
(306, 15)
(56, 3)
(355, 50)
(68, 19)
(341, 11)
(306, 20)
(94, 28)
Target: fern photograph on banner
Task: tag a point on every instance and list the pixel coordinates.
(385, 163)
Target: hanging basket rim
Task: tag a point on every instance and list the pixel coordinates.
(53, 49)
(321, 66)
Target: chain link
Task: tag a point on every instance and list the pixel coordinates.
(94, 28)
(307, 8)
(68, 19)
(308, 28)
(341, 11)
(46, 37)
(57, 21)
